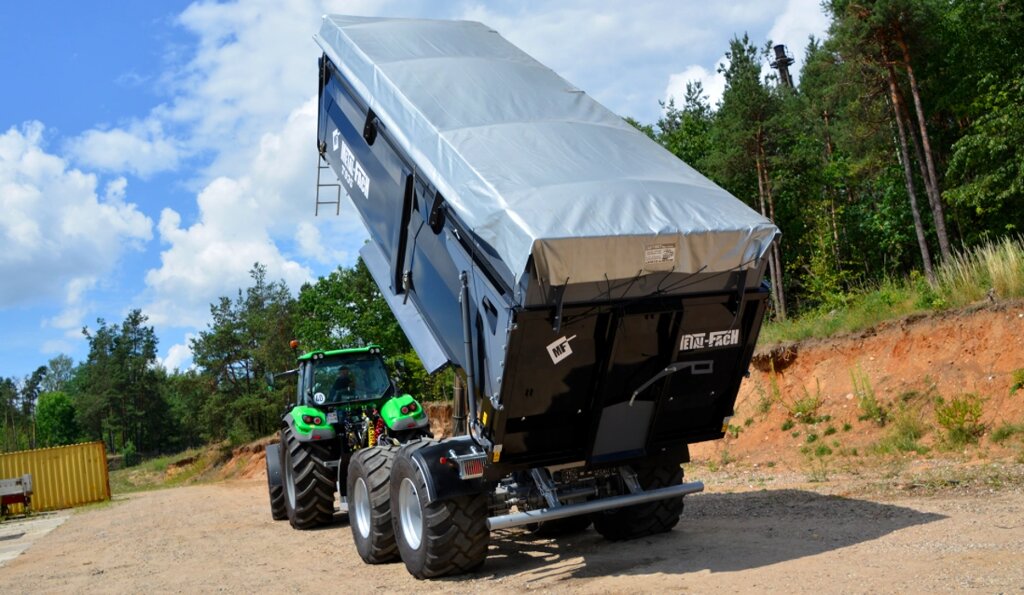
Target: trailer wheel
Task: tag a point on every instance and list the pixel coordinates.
(650, 518)
(560, 527)
(308, 486)
(275, 483)
(369, 504)
(440, 538)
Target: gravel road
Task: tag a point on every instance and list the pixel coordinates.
(219, 537)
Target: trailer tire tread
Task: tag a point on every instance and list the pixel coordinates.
(645, 519)
(375, 465)
(455, 534)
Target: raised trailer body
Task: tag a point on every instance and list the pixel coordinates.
(600, 296)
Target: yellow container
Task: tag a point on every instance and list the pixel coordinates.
(62, 477)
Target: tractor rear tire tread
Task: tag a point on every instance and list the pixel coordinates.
(314, 483)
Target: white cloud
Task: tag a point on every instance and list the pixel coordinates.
(621, 52)
(241, 221)
(179, 356)
(141, 148)
(712, 81)
(57, 235)
(799, 20)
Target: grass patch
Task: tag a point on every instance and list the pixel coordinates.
(153, 473)
(960, 417)
(787, 425)
(964, 279)
(1006, 431)
(870, 408)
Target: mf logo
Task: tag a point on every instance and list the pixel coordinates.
(707, 340)
(560, 349)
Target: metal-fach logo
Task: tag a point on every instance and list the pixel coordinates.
(351, 170)
(696, 341)
(560, 349)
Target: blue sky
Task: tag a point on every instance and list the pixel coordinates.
(151, 152)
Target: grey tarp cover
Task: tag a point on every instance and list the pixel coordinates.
(533, 165)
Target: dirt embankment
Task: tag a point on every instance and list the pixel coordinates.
(907, 365)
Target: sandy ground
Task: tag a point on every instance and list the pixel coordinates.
(219, 537)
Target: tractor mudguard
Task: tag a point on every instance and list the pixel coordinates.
(441, 472)
(309, 432)
(413, 418)
(274, 476)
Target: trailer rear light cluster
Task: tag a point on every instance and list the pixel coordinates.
(315, 420)
(410, 408)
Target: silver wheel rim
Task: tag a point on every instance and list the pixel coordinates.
(361, 506)
(289, 482)
(410, 513)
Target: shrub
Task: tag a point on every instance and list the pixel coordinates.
(787, 425)
(805, 409)
(871, 409)
(830, 430)
(961, 419)
(907, 428)
(1018, 380)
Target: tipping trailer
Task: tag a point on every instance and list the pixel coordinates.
(600, 298)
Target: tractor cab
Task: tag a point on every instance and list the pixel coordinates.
(340, 378)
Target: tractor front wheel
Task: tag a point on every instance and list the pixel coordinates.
(308, 483)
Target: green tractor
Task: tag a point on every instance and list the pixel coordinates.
(345, 405)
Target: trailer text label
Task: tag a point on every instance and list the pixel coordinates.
(707, 340)
(351, 170)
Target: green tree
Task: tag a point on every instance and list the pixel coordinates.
(116, 390)
(55, 420)
(247, 337)
(347, 309)
(59, 371)
(686, 131)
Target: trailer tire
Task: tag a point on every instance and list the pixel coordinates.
(645, 519)
(369, 504)
(275, 483)
(440, 538)
(308, 483)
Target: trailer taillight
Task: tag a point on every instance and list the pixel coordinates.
(312, 420)
(405, 410)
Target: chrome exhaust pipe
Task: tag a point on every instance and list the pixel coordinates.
(517, 519)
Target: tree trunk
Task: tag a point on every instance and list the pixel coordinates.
(908, 176)
(774, 256)
(934, 195)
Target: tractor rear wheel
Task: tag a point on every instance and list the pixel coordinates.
(369, 503)
(439, 538)
(308, 483)
(650, 518)
(275, 483)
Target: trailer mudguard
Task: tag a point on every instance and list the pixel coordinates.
(441, 473)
